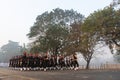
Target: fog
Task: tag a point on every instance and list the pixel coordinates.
(100, 56)
(4, 64)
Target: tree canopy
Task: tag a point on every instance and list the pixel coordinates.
(106, 23)
(51, 29)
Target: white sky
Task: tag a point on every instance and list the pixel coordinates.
(17, 16)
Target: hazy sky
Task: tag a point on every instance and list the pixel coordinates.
(17, 16)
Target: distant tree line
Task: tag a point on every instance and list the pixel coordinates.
(10, 50)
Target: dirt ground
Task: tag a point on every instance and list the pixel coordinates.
(10, 74)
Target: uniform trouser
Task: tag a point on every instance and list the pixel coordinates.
(76, 63)
(62, 64)
(46, 63)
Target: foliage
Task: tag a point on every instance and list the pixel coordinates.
(73, 39)
(107, 24)
(57, 16)
(51, 29)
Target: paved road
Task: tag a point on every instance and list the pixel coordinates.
(9, 74)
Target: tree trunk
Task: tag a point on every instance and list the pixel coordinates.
(87, 65)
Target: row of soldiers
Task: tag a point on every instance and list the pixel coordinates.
(28, 61)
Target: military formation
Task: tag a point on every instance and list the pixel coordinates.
(44, 62)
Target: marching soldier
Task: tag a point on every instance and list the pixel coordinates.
(41, 59)
(61, 62)
(75, 62)
(46, 61)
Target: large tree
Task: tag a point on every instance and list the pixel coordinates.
(51, 28)
(100, 26)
